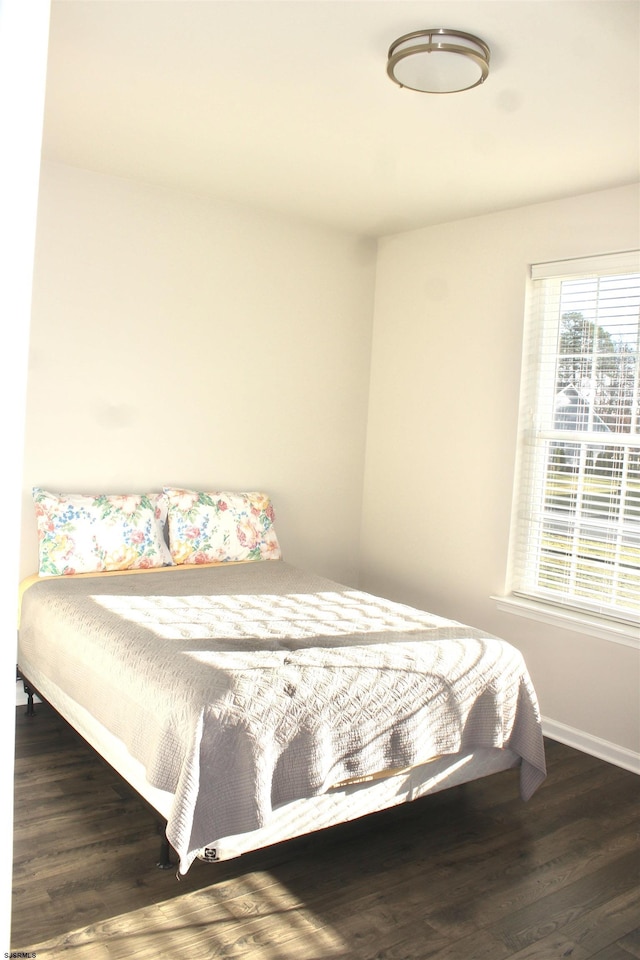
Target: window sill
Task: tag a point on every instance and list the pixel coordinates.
(618, 632)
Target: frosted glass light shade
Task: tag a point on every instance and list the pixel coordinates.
(438, 61)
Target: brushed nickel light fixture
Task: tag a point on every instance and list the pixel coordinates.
(438, 61)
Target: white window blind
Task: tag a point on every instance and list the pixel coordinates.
(576, 529)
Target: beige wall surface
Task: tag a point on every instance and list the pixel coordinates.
(441, 450)
(178, 341)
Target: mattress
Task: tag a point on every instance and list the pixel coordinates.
(235, 692)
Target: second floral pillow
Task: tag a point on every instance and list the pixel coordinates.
(219, 526)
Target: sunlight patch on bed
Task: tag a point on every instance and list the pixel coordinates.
(271, 616)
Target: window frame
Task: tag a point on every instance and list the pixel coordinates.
(541, 345)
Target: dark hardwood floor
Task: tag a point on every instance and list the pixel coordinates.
(469, 874)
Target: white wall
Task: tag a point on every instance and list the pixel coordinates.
(441, 447)
(176, 340)
(24, 31)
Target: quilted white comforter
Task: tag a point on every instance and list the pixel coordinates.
(243, 687)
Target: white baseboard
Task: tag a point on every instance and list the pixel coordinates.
(603, 749)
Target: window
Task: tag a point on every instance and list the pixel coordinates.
(576, 528)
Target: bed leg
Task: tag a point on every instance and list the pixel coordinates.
(30, 711)
(164, 863)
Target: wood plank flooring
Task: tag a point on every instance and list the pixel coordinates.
(469, 874)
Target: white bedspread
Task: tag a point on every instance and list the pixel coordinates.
(243, 687)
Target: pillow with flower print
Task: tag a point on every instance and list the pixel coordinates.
(220, 526)
(80, 533)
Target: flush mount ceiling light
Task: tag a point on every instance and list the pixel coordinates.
(438, 61)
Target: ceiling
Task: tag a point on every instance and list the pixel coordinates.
(286, 105)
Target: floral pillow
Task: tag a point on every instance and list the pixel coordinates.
(84, 534)
(220, 526)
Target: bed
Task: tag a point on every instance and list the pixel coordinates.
(250, 701)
